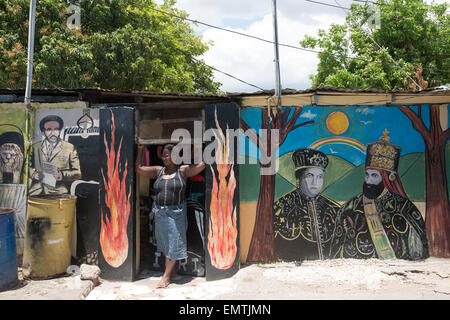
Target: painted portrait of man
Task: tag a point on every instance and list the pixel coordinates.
(304, 219)
(55, 164)
(381, 222)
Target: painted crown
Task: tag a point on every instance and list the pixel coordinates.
(382, 154)
(309, 158)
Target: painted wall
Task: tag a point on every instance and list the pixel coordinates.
(117, 241)
(13, 159)
(222, 193)
(66, 161)
(332, 223)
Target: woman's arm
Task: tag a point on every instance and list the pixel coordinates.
(193, 169)
(145, 171)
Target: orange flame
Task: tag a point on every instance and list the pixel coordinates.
(113, 233)
(223, 231)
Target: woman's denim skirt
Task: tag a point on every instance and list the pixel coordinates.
(170, 230)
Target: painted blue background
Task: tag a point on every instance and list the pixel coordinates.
(366, 124)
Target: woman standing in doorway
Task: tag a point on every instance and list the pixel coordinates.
(169, 207)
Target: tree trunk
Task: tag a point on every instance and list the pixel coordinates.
(261, 246)
(437, 218)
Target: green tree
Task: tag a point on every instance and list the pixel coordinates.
(120, 44)
(414, 34)
(417, 37)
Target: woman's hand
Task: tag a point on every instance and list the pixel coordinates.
(145, 171)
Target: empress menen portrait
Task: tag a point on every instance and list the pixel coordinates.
(304, 219)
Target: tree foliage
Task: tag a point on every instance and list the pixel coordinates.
(120, 44)
(414, 34)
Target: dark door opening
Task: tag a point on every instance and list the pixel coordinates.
(150, 258)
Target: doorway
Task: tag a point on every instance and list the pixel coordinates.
(150, 258)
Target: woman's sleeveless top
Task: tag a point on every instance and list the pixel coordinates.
(170, 191)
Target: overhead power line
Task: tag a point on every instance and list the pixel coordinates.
(388, 4)
(245, 34)
(328, 4)
(262, 39)
(384, 51)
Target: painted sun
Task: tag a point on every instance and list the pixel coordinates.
(337, 122)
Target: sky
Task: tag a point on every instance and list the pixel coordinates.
(253, 60)
(364, 125)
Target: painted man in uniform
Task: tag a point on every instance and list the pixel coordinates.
(53, 152)
(381, 222)
(304, 218)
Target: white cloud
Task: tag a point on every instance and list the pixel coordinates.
(308, 115)
(252, 60)
(365, 111)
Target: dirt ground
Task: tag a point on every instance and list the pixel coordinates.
(343, 279)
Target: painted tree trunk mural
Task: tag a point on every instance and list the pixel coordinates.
(437, 205)
(261, 246)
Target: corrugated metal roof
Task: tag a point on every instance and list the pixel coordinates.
(48, 91)
(443, 89)
(107, 94)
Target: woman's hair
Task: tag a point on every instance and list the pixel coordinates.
(168, 146)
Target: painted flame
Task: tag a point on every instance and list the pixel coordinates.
(223, 231)
(113, 233)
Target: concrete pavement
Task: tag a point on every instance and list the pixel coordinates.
(342, 279)
(61, 288)
(144, 288)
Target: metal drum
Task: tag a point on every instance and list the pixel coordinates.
(8, 259)
(14, 196)
(48, 235)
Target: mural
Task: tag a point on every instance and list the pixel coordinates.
(55, 163)
(381, 222)
(117, 221)
(222, 194)
(65, 157)
(304, 218)
(13, 158)
(351, 166)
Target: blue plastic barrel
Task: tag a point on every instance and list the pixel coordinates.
(8, 259)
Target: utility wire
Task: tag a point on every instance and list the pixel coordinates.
(211, 67)
(174, 47)
(187, 55)
(379, 47)
(328, 4)
(388, 4)
(361, 103)
(244, 34)
(262, 39)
